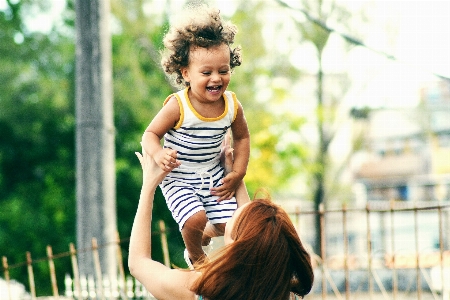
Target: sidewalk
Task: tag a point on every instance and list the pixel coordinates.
(378, 296)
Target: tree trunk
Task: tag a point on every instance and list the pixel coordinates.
(95, 152)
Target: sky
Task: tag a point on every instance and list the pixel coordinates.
(419, 39)
(415, 32)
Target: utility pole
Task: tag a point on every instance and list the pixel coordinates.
(95, 151)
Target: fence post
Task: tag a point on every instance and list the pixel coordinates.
(76, 273)
(130, 284)
(91, 288)
(84, 289)
(6, 272)
(98, 269)
(346, 271)
(121, 268)
(323, 251)
(416, 235)
(51, 265)
(369, 252)
(441, 246)
(394, 268)
(31, 276)
(165, 247)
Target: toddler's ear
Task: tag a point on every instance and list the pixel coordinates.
(185, 74)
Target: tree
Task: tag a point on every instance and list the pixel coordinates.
(95, 153)
(313, 30)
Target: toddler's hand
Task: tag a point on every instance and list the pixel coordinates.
(166, 159)
(228, 188)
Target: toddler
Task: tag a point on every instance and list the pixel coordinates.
(194, 122)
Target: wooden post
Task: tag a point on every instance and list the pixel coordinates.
(322, 249)
(441, 247)
(6, 272)
(84, 287)
(394, 267)
(122, 279)
(51, 265)
(31, 276)
(416, 238)
(76, 274)
(98, 269)
(344, 229)
(165, 247)
(369, 252)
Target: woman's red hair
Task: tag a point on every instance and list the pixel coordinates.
(266, 260)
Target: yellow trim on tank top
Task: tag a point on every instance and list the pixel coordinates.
(235, 101)
(202, 117)
(180, 121)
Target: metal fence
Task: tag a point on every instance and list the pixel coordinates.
(390, 250)
(385, 250)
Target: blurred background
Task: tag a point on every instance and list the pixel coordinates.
(348, 103)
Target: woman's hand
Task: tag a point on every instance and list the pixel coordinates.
(226, 154)
(151, 172)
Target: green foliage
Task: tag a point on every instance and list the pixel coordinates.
(36, 143)
(276, 149)
(37, 177)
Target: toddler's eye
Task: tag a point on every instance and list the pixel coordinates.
(206, 73)
(224, 72)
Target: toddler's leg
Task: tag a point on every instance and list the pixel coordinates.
(212, 230)
(192, 233)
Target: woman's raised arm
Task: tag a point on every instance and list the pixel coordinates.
(161, 281)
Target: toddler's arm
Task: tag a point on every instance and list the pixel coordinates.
(166, 118)
(241, 153)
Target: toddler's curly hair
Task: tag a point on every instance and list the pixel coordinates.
(199, 26)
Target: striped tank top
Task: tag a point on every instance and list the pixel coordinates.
(198, 139)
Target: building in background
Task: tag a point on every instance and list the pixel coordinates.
(406, 162)
(408, 150)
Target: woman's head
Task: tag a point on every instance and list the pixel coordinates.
(198, 26)
(265, 260)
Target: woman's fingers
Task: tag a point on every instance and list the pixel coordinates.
(139, 156)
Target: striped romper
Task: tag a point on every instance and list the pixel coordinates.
(198, 143)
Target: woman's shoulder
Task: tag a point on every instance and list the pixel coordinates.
(174, 284)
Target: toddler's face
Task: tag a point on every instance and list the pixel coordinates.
(208, 72)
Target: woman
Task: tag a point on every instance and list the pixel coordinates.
(263, 257)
